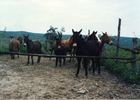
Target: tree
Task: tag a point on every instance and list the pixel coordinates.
(51, 33)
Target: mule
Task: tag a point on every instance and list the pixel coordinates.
(59, 50)
(13, 45)
(53, 45)
(68, 45)
(85, 48)
(104, 39)
(32, 47)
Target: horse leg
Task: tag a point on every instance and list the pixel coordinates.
(38, 59)
(32, 60)
(18, 52)
(85, 66)
(93, 65)
(71, 55)
(78, 68)
(60, 62)
(98, 65)
(28, 60)
(63, 61)
(13, 54)
(56, 61)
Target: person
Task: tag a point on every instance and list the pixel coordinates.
(11, 38)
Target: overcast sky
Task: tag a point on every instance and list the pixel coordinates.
(99, 15)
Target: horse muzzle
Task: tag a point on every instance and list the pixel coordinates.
(74, 44)
(110, 43)
(25, 45)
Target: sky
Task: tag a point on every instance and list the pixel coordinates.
(97, 15)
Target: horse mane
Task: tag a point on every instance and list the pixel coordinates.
(18, 38)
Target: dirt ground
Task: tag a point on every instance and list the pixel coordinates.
(44, 81)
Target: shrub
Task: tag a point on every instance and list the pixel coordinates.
(124, 70)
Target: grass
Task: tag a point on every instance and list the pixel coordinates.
(124, 70)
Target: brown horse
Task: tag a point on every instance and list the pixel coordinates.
(104, 39)
(32, 47)
(68, 45)
(13, 45)
(53, 46)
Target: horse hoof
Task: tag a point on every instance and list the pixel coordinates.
(76, 76)
(86, 76)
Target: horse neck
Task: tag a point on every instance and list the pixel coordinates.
(80, 43)
(19, 40)
(101, 43)
(29, 44)
(70, 41)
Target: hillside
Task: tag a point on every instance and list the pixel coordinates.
(124, 41)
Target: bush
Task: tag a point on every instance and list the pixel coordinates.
(124, 70)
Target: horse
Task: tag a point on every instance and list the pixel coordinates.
(104, 39)
(68, 45)
(15, 44)
(53, 45)
(59, 50)
(32, 47)
(92, 36)
(85, 48)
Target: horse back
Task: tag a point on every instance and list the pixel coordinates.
(68, 45)
(14, 44)
(37, 46)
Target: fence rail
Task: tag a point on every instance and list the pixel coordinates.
(53, 56)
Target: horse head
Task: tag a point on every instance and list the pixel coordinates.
(106, 39)
(26, 39)
(60, 35)
(58, 42)
(20, 39)
(93, 36)
(76, 36)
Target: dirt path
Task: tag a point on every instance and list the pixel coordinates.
(43, 81)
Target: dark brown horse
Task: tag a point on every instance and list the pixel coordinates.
(53, 45)
(32, 47)
(85, 48)
(59, 50)
(15, 44)
(68, 45)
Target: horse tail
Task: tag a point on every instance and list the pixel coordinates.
(11, 46)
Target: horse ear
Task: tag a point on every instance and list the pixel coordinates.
(80, 31)
(96, 32)
(103, 33)
(72, 30)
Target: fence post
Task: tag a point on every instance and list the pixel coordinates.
(48, 45)
(133, 64)
(88, 32)
(118, 39)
